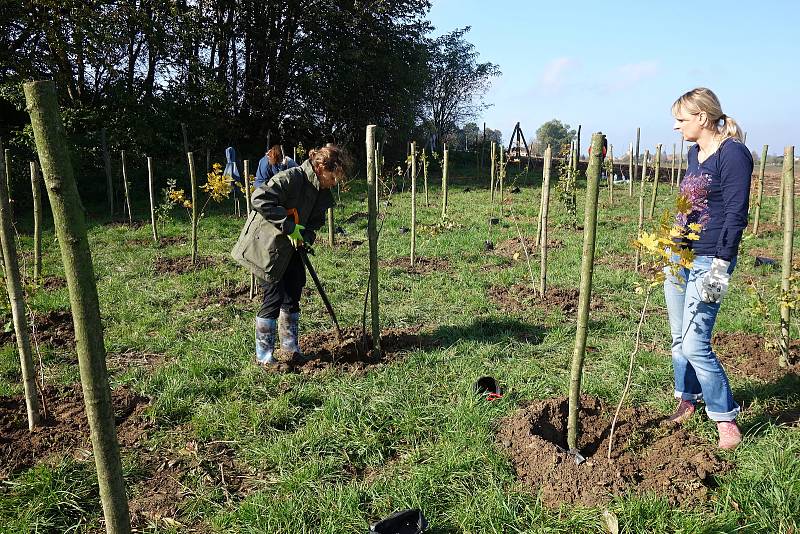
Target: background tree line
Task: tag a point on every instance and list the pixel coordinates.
(237, 72)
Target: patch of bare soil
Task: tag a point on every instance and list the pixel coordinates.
(747, 355)
(421, 265)
(348, 243)
(323, 351)
(227, 295)
(162, 241)
(357, 216)
(53, 328)
(53, 283)
(158, 498)
(648, 456)
(183, 264)
(65, 430)
(521, 297)
(133, 358)
(512, 248)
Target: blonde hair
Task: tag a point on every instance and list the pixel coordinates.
(701, 100)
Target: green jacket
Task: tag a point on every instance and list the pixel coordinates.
(264, 247)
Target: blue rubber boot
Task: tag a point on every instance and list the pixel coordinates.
(288, 326)
(265, 341)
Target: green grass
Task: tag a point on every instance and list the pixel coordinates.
(332, 452)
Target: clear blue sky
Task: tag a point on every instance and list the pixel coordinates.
(616, 66)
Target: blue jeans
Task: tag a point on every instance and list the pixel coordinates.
(698, 372)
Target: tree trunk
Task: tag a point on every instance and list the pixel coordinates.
(152, 198)
(372, 236)
(413, 202)
(70, 227)
(640, 226)
(502, 177)
(657, 171)
(785, 359)
(193, 180)
(109, 179)
(587, 268)
(760, 189)
(37, 222)
(378, 169)
(16, 298)
(445, 165)
(7, 156)
(544, 208)
(125, 187)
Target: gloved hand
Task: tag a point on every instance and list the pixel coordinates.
(715, 282)
(296, 237)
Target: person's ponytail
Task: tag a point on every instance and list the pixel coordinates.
(729, 128)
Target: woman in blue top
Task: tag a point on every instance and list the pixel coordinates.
(271, 164)
(717, 184)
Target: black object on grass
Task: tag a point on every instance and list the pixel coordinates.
(762, 260)
(403, 522)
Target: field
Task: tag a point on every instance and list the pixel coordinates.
(212, 443)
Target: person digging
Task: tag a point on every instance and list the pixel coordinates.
(287, 211)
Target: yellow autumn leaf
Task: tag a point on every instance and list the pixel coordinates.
(695, 227)
(683, 205)
(648, 241)
(676, 231)
(692, 236)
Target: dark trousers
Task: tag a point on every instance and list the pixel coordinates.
(285, 295)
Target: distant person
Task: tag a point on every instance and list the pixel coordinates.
(717, 183)
(287, 211)
(271, 164)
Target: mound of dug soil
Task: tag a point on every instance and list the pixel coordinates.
(747, 355)
(65, 430)
(53, 328)
(183, 264)
(421, 265)
(512, 248)
(52, 283)
(521, 297)
(322, 350)
(648, 456)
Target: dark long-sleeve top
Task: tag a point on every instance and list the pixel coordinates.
(725, 177)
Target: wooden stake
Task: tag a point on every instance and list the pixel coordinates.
(584, 299)
(630, 170)
(760, 189)
(7, 156)
(70, 226)
(640, 226)
(425, 175)
(151, 190)
(125, 186)
(544, 208)
(413, 202)
(193, 181)
(37, 222)
(372, 236)
(611, 175)
(785, 358)
(445, 166)
(657, 171)
(636, 159)
(16, 298)
(109, 179)
(502, 177)
(492, 167)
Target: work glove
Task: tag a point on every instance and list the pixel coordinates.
(715, 282)
(296, 237)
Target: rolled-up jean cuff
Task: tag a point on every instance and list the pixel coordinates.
(721, 417)
(688, 396)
